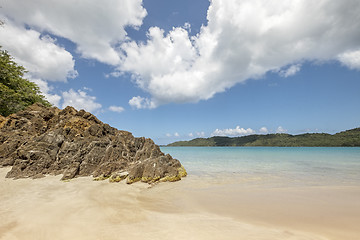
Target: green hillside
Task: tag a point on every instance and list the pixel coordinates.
(349, 138)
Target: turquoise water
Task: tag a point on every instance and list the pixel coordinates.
(302, 166)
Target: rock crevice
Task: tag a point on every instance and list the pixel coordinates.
(40, 141)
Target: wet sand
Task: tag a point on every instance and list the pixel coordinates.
(194, 208)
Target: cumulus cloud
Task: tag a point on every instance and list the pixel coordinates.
(141, 103)
(263, 130)
(200, 134)
(37, 53)
(351, 59)
(80, 100)
(242, 40)
(233, 131)
(96, 27)
(191, 135)
(280, 129)
(117, 109)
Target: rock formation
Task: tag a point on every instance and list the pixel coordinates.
(41, 140)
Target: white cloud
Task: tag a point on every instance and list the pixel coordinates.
(200, 134)
(176, 134)
(187, 26)
(168, 135)
(263, 130)
(38, 54)
(141, 103)
(118, 109)
(351, 59)
(290, 71)
(280, 129)
(114, 74)
(80, 100)
(87, 89)
(242, 40)
(96, 27)
(233, 131)
(46, 91)
(191, 135)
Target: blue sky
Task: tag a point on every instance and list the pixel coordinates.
(176, 70)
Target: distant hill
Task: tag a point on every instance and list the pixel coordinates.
(349, 138)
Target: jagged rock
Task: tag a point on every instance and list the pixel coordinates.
(40, 141)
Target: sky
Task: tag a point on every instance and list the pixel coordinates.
(176, 70)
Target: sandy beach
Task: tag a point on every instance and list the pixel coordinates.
(194, 208)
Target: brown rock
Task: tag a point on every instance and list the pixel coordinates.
(40, 141)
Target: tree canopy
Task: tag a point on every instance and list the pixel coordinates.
(16, 92)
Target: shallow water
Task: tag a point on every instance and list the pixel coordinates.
(273, 165)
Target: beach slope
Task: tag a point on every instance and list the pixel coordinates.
(191, 209)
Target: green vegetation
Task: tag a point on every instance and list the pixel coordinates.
(349, 138)
(16, 92)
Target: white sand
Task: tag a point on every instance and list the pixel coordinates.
(190, 209)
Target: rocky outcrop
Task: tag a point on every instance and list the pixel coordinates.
(40, 141)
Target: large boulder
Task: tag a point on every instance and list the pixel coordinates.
(40, 141)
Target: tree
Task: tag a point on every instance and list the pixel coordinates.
(16, 92)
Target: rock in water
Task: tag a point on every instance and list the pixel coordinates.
(41, 140)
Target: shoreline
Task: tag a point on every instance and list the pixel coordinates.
(192, 208)
(166, 146)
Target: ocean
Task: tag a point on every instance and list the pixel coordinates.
(274, 166)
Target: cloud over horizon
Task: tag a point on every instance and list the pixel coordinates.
(237, 131)
(242, 40)
(280, 129)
